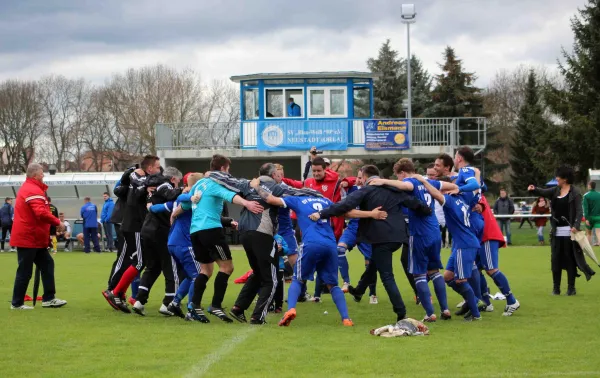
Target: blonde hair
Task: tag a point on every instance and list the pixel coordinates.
(278, 167)
(194, 178)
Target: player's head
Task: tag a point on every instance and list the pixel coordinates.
(269, 169)
(318, 168)
(150, 164)
(369, 171)
(565, 175)
(464, 157)
(404, 168)
(503, 193)
(592, 185)
(431, 172)
(173, 175)
(220, 163)
(280, 170)
(190, 179)
(443, 165)
(359, 178)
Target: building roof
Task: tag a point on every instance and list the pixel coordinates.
(307, 75)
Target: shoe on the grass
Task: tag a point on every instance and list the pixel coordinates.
(278, 310)
(304, 298)
(196, 315)
(417, 300)
(348, 323)
(373, 299)
(21, 307)
(471, 318)
(175, 309)
(430, 319)
(460, 304)
(138, 308)
(257, 321)
(219, 313)
(287, 318)
(510, 309)
(446, 315)
(571, 291)
(315, 299)
(345, 287)
(238, 315)
(164, 310)
(120, 303)
(54, 303)
(486, 308)
(556, 291)
(463, 310)
(354, 293)
(106, 294)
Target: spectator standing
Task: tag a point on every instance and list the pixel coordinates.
(31, 228)
(7, 214)
(540, 207)
(591, 211)
(89, 213)
(504, 206)
(524, 210)
(107, 210)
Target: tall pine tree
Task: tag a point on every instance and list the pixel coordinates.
(529, 145)
(389, 90)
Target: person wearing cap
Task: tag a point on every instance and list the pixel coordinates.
(293, 109)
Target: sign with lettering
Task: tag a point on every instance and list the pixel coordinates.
(302, 135)
(386, 134)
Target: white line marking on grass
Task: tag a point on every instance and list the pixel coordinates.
(204, 365)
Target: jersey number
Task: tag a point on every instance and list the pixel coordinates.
(465, 211)
(317, 206)
(428, 199)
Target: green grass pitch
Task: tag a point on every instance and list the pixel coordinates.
(548, 336)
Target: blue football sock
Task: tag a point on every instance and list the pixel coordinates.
(424, 293)
(466, 291)
(340, 301)
(474, 282)
(182, 290)
(344, 268)
(440, 290)
(485, 291)
(135, 286)
(294, 293)
(318, 287)
(502, 283)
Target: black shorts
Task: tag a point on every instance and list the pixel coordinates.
(210, 245)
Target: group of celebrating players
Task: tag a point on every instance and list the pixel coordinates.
(178, 232)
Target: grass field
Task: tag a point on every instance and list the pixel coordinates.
(548, 336)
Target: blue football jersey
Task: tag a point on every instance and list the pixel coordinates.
(315, 232)
(457, 213)
(419, 225)
(465, 175)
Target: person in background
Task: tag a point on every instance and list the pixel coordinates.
(89, 213)
(293, 109)
(524, 210)
(53, 241)
(107, 210)
(7, 213)
(443, 168)
(591, 212)
(64, 233)
(504, 206)
(312, 154)
(31, 228)
(540, 207)
(80, 236)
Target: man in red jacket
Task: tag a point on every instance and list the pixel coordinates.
(30, 234)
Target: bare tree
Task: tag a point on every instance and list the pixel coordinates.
(19, 124)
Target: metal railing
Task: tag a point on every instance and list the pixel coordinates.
(449, 132)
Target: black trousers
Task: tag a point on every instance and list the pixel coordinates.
(382, 262)
(404, 261)
(261, 250)
(157, 260)
(42, 259)
(5, 230)
(129, 254)
(444, 231)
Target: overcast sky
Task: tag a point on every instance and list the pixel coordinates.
(92, 38)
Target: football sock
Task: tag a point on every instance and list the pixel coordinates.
(424, 293)
(340, 301)
(135, 285)
(125, 281)
(474, 282)
(294, 292)
(199, 287)
(220, 288)
(485, 291)
(440, 290)
(468, 295)
(318, 286)
(343, 263)
(502, 283)
(182, 291)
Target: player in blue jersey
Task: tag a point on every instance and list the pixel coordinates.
(318, 251)
(424, 258)
(464, 245)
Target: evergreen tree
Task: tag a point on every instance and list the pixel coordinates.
(389, 90)
(529, 148)
(578, 104)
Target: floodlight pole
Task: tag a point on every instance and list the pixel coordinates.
(408, 15)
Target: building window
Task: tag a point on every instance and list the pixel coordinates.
(279, 105)
(250, 104)
(362, 99)
(283, 81)
(251, 83)
(326, 81)
(327, 102)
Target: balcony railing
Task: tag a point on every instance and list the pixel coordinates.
(447, 132)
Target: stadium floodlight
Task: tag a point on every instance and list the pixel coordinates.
(408, 15)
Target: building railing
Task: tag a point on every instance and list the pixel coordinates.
(450, 132)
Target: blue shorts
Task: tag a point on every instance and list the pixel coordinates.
(322, 258)
(461, 262)
(424, 254)
(348, 238)
(292, 243)
(184, 258)
(366, 250)
(488, 254)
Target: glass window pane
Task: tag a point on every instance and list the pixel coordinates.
(337, 101)
(362, 96)
(295, 108)
(317, 102)
(361, 81)
(250, 104)
(284, 81)
(275, 103)
(250, 83)
(326, 81)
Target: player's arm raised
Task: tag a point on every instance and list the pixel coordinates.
(400, 185)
